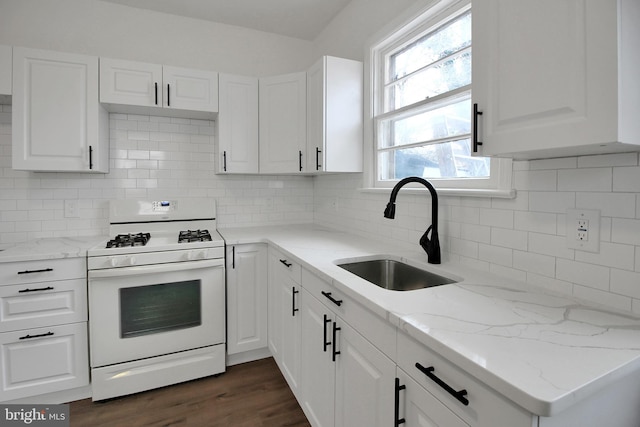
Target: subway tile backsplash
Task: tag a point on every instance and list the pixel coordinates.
(521, 238)
(151, 157)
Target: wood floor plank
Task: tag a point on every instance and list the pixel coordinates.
(248, 395)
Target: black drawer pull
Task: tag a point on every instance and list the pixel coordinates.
(27, 337)
(287, 264)
(325, 342)
(459, 395)
(48, 288)
(293, 301)
(396, 419)
(335, 341)
(337, 302)
(35, 271)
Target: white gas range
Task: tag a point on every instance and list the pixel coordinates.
(156, 297)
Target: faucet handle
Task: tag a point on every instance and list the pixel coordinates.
(390, 211)
(431, 245)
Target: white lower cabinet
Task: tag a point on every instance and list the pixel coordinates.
(346, 381)
(417, 407)
(43, 327)
(284, 316)
(43, 360)
(246, 298)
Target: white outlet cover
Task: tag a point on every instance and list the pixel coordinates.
(592, 216)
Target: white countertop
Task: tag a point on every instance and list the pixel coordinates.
(545, 352)
(50, 248)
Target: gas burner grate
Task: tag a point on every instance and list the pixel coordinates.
(124, 240)
(194, 236)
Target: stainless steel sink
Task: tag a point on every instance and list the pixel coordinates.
(395, 275)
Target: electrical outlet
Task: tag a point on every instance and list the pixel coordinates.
(71, 209)
(583, 229)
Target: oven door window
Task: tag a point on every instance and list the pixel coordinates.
(152, 309)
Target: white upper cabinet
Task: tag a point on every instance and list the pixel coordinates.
(237, 124)
(556, 78)
(334, 116)
(57, 121)
(173, 91)
(283, 123)
(5, 70)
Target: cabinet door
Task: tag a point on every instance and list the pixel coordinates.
(44, 360)
(545, 76)
(283, 123)
(246, 298)
(5, 70)
(188, 89)
(284, 321)
(130, 83)
(364, 382)
(58, 124)
(238, 124)
(318, 371)
(335, 115)
(419, 408)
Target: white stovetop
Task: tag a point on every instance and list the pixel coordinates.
(545, 352)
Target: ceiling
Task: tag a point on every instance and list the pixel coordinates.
(303, 19)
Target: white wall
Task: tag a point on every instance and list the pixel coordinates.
(105, 29)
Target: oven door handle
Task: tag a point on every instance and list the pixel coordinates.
(155, 268)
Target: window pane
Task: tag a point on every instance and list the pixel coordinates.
(443, 77)
(446, 160)
(444, 122)
(450, 38)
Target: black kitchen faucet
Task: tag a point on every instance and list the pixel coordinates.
(430, 245)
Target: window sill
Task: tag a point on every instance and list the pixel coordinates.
(450, 192)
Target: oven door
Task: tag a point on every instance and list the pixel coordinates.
(152, 310)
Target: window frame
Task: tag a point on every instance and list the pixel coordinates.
(406, 30)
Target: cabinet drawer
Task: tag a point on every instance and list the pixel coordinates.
(377, 330)
(42, 271)
(40, 304)
(285, 265)
(485, 406)
(418, 407)
(43, 360)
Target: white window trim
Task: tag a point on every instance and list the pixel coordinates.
(410, 24)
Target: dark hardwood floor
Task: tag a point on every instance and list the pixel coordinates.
(248, 395)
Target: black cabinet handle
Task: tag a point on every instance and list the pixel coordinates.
(335, 332)
(35, 271)
(48, 288)
(459, 395)
(293, 301)
(168, 95)
(224, 161)
(300, 159)
(318, 165)
(332, 299)
(28, 337)
(287, 264)
(233, 257)
(325, 342)
(476, 113)
(90, 157)
(396, 419)
(156, 90)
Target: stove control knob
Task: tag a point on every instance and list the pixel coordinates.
(132, 260)
(113, 261)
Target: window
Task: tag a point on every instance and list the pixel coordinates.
(422, 104)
